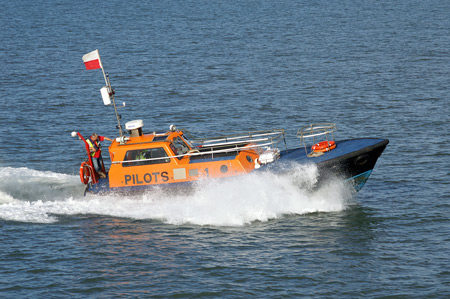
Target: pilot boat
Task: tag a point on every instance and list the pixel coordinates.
(175, 159)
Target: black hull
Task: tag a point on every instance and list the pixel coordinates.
(352, 160)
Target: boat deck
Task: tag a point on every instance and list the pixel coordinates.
(342, 149)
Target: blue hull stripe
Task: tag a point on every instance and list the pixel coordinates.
(360, 179)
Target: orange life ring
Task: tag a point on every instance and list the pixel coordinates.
(85, 173)
(324, 146)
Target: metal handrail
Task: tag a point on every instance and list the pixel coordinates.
(234, 149)
(242, 136)
(315, 130)
(250, 143)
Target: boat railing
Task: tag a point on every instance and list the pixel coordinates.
(257, 140)
(313, 132)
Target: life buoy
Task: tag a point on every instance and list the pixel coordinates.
(324, 146)
(85, 173)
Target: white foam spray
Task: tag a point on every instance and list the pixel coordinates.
(34, 196)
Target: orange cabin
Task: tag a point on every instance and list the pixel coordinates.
(153, 159)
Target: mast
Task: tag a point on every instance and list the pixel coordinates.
(92, 61)
(111, 94)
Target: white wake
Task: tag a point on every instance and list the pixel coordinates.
(28, 195)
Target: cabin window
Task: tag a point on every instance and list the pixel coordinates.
(147, 156)
(160, 138)
(179, 147)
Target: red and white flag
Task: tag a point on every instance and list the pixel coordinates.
(92, 60)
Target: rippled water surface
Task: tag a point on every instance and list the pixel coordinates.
(375, 68)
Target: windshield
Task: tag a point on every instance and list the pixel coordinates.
(179, 147)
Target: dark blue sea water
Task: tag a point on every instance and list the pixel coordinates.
(375, 68)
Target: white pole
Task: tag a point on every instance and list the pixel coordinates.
(111, 93)
(114, 104)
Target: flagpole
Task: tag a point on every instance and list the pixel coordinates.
(111, 94)
(114, 103)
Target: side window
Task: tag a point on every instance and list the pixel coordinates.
(146, 157)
